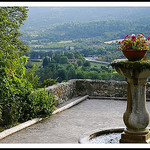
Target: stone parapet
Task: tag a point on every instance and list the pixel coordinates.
(98, 88)
(102, 88)
(63, 91)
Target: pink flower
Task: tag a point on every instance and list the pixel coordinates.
(126, 36)
(133, 37)
(137, 42)
(142, 34)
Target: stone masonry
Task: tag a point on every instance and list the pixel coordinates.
(97, 88)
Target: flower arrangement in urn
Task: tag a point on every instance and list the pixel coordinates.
(134, 47)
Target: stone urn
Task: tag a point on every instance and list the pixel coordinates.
(136, 116)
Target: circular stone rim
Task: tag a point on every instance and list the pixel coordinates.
(88, 136)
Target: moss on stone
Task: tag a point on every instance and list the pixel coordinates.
(139, 65)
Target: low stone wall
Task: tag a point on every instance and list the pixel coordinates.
(101, 88)
(80, 87)
(63, 91)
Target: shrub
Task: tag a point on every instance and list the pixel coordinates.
(31, 77)
(18, 102)
(13, 92)
(48, 82)
(38, 104)
(0, 112)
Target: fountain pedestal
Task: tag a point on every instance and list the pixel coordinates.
(136, 116)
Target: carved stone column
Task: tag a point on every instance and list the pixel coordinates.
(136, 116)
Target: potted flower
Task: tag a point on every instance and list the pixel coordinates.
(134, 47)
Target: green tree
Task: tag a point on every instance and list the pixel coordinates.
(63, 60)
(70, 71)
(70, 55)
(31, 77)
(62, 74)
(15, 88)
(57, 56)
(46, 61)
(48, 82)
(93, 75)
(12, 71)
(79, 74)
(87, 64)
(80, 62)
(11, 18)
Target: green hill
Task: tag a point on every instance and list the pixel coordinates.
(45, 17)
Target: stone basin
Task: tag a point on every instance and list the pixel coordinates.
(103, 136)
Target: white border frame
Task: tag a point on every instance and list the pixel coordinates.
(77, 4)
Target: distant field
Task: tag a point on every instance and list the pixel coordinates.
(65, 42)
(98, 65)
(36, 60)
(38, 50)
(93, 64)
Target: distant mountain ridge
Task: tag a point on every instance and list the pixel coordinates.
(45, 17)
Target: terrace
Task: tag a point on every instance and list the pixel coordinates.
(83, 106)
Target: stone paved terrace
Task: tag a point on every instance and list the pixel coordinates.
(102, 109)
(67, 126)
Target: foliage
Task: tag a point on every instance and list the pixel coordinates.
(14, 90)
(70, 55)
(13, 87)
(70, 71)
(17, 99)
(88, 37)
(63, 60)
(46, 61)
(86, 64)
(48, 82)
(80, 62)
(105, 29)
(38, 104)
(136, 43)
(10, 20)
(31, 77)
(62, 74)
(81, 69)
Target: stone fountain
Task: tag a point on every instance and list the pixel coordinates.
(136, 117)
